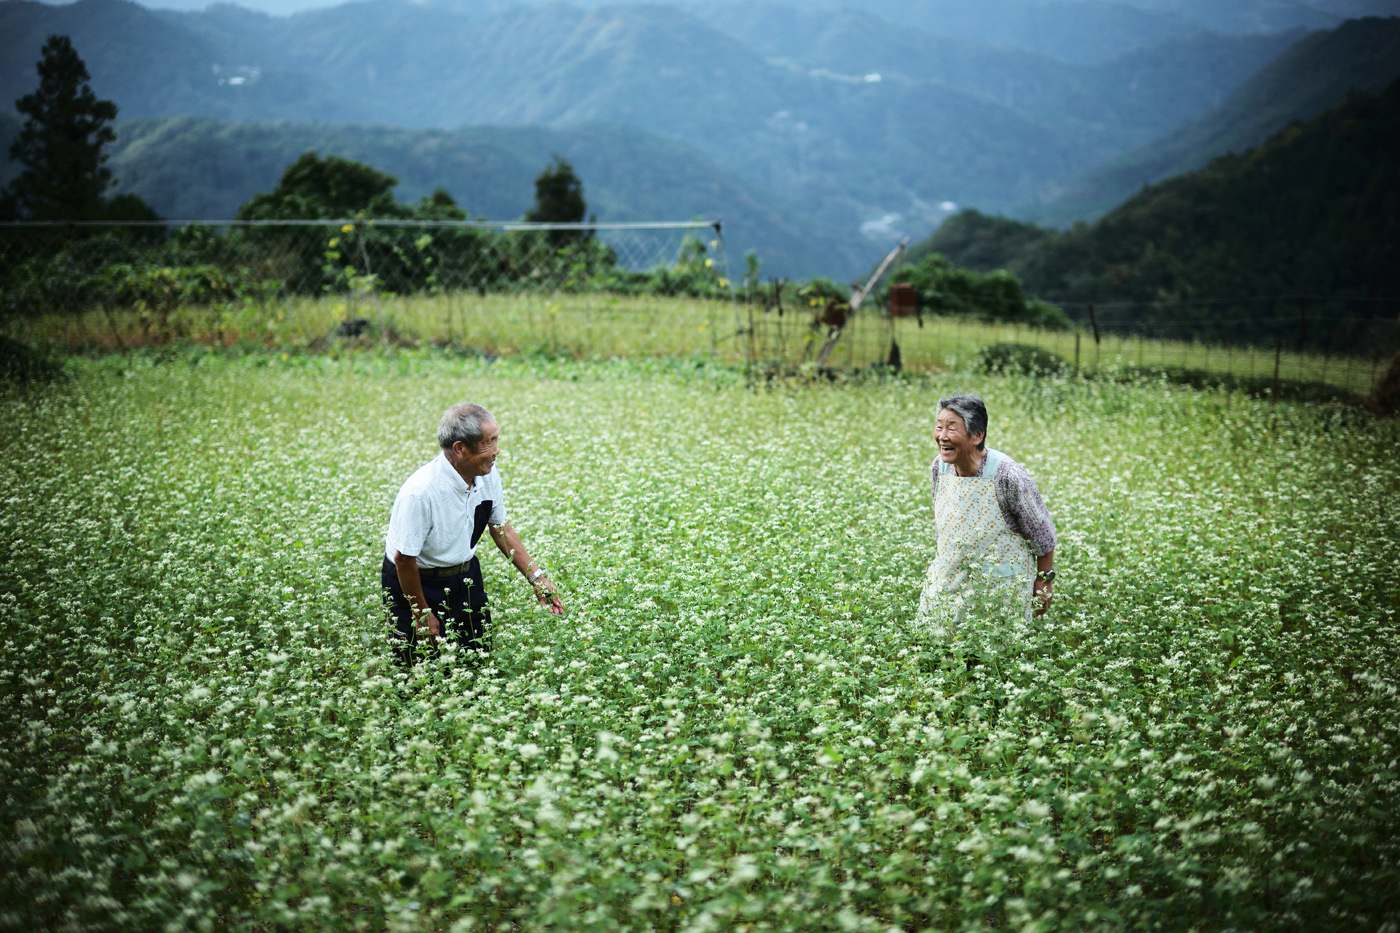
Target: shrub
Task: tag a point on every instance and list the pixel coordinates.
(1020, 359)
(994, 296)
(21, 364)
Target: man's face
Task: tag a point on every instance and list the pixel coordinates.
(954, 443)
(480, 461)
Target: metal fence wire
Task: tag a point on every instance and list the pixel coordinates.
(55, 267)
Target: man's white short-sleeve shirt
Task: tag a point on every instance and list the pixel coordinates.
(435, 512)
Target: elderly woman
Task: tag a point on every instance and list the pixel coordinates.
(996, 541)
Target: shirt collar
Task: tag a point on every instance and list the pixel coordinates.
(454, 479)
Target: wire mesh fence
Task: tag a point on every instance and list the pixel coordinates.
(1346, 353)
(603, 289)
(938, 342)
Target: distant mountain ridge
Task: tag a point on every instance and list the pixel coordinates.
(1086, 31)
(1140, 94)
(850, 154)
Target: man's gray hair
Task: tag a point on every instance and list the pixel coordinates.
(972, 410)
(462, 422)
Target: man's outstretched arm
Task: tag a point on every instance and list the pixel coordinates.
(508, 540)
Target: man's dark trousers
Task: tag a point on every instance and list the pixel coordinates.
(458, 601)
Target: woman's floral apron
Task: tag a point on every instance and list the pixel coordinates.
(983, 571)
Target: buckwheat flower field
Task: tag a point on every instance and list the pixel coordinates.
(738, 724)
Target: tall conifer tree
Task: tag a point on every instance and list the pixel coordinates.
(60, 146)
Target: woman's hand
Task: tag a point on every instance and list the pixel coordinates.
(1043, 594)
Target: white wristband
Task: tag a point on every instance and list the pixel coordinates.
(535, 577)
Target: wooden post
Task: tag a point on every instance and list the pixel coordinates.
(447, 300)
(1278, 351)
(857, 296)
(1076, 352)
(1095, 322)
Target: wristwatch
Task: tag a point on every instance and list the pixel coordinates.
(535, 577)
(1047, 575)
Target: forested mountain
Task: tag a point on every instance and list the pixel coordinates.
(1136, 95)
(1315, 209)
(1306, 79)
(949, 121)
(857, 124)
(192, 168)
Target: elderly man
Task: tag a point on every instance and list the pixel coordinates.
(996, 540)
(431, 576)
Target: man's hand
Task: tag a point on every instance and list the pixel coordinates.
(548, 595)
(509, 543)
(411, 582)
(430, 627)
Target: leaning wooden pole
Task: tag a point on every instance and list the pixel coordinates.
(856, 298)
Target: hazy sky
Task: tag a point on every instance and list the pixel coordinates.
(285, 7)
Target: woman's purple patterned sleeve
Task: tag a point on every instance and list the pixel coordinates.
(1024, 509)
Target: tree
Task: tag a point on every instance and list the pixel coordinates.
(332, 188)
(559, 200)
(60, 147)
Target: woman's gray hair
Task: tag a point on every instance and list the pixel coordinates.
(462, 422)
(972, 410)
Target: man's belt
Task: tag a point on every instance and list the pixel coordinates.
(451, 571)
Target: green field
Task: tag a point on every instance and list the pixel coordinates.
(738, 725)
(592, 326)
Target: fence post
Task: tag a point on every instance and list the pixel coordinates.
(1278, 352)
(1302, 336)
(68, 296)
(1094, 321)
(1076, 352)
(369, 279)
(734, 299)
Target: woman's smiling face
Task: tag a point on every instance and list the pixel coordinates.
(954, 443)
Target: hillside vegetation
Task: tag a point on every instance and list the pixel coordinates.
(1316, 209)
(1306, 79)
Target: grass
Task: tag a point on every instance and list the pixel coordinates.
(590, 326)
(738, 724)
